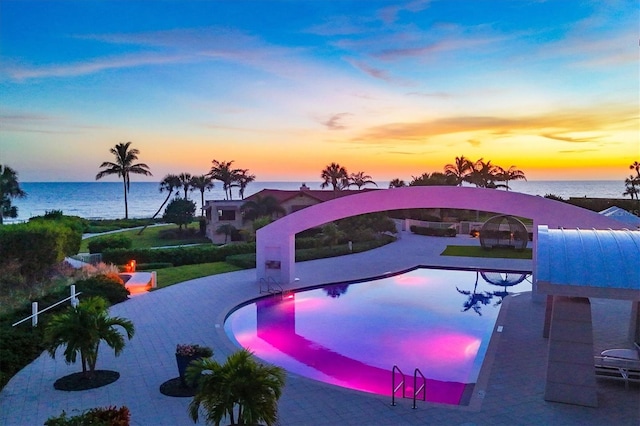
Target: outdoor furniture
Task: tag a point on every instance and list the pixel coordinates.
(504, 231)
(619, 364)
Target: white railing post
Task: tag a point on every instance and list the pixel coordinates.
(154, 279)
(34, 312)
(74, 299)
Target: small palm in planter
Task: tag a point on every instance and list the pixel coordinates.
(242, 390)
(80, 330)
(187, 353)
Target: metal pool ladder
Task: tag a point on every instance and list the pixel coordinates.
(402, 385)
(271, 286)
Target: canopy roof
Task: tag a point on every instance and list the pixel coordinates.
(588, 263)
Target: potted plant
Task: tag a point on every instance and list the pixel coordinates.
(242, 390)
(186, 353)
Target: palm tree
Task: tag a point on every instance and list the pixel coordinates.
(222, 171)
(9, 188)
(261, 206)
(484, 174)
(635, 166)
(433, 179)
(169, 183)
(397, 183)
(336, 176)
(512, 173)
(360, 179)
(80, 330)
(631, 189)
(244, 179)
(201, 183)
(227, 229)
(123, 167)
(185, 183)
(241, 389)
(460, 169)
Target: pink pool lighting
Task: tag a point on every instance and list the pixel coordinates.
(351, 335)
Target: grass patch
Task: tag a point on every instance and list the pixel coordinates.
(476, 251)
(151, 238)
(170, 276)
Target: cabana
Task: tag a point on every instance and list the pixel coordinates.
(572, 266)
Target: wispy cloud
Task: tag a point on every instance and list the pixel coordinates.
(389, 14)
(90, 67)
(554, 124)
(40, 123)
(336, 121)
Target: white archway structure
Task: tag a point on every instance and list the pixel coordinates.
(275, 243)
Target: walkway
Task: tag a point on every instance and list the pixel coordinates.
(194, 311)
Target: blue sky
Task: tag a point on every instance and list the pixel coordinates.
(284, 88)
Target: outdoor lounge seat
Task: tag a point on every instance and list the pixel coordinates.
(619, 364)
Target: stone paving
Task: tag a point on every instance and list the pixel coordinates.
(509, 391)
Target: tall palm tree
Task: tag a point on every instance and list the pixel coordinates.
(397, 183)
(80, 330)
(185, 183)
(222, 171)
(242, 389)
(631, 189)
(336, 176)
(460, 169)
(169, 183)
(201, 183)
(244, 178)
(124, 166)
(635, 166)
(512, 173)
(9, 188)
(261, 206)
(360, 179)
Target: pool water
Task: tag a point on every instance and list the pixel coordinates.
(351, 335)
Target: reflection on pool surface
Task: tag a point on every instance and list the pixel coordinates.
(351, 335)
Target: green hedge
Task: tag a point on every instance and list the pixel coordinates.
(37, 246)
(100, 244)
(178, 256)
(433, 232)
(248, 261)
(110, 287)
(153, 266)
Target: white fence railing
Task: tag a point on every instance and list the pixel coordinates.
(35, 312)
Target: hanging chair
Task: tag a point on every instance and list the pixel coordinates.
(504, 231)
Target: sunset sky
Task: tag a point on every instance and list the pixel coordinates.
(286, 87)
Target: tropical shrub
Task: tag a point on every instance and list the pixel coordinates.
(37, 246)
(109, 416)
(242, 390)
(110, 286)
(100, 244)
(80, 330)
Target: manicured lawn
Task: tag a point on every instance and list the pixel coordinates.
(477, 251)
(177, 274)
(151, 238)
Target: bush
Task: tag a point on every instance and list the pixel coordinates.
(433, 232)
(244, 261)
(110, 416)
(100, 244)
(37, 246)
(178, 256)
(111, 287)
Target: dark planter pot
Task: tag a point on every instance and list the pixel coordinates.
(183, 362)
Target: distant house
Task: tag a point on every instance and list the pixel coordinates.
(221, 212)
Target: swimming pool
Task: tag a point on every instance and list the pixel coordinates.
(352, 334)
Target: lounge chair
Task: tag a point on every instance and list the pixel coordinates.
(619, 364)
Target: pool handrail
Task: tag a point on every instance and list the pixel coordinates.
(422, 388)
(395, 388)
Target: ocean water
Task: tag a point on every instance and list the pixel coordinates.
(106, 199)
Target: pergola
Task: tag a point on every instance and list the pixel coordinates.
(572, 266)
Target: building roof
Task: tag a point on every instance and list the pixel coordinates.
(615, 212)
(589, 262)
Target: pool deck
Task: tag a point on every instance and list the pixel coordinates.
(194, 311)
